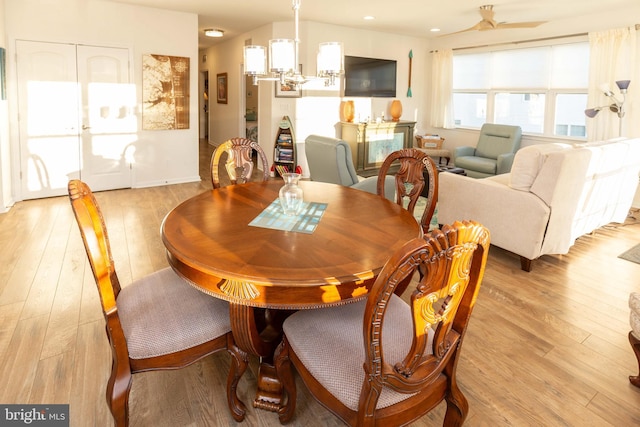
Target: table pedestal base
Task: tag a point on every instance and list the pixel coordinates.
(269, 393)
(258, 331)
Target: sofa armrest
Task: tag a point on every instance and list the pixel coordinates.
(505, 162)
(517, 220)
(463, 151)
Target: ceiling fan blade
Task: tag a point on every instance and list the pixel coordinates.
(474, 28)
(532, 24)
(488, 23)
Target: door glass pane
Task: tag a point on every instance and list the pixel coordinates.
(570, 119)
(49, 117)
(522, 109)
(470, 109)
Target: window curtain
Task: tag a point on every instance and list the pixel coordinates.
(613, 57)
(442, 89)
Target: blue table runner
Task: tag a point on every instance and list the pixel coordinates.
(305, 222)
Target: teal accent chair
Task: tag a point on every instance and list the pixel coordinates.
(330, 160)
(497, 146)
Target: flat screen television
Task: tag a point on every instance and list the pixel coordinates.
(369, 77)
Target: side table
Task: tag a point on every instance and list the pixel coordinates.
(439, 153)
(431, 145)
(440, 168)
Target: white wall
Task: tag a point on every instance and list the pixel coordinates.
(6, 200)
(162, 157)
(227, 120)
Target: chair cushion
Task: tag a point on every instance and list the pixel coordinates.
(634, 314)
(329, 160)
(161, 314)
(496, 139)
(634, 320)
(478, 164)
(330, 344)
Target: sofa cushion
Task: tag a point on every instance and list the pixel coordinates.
(528, 162)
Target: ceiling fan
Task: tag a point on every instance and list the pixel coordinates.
(488, 23)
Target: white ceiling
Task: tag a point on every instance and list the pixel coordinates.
(404, 17)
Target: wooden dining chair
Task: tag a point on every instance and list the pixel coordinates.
(154, 323)
(410, 181)
(383, 361)
(239, 164)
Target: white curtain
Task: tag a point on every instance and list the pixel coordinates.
(442, 89)
(613, 57)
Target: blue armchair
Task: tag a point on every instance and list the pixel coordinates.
(497, 145)
(330, 160)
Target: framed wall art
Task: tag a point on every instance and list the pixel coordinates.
(287, 90)
(165, 92)
(221, 84)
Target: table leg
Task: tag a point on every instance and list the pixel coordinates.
(259, 331)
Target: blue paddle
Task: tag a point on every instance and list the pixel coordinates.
(410, 63)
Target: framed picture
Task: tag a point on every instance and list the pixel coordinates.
(287, 91)
(222, 88)
(165, 92)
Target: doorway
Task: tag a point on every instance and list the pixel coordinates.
(204, 102)
(251, 109)
(78, 120)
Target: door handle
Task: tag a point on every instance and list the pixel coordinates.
(85, 127)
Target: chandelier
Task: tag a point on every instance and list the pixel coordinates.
(283, 60)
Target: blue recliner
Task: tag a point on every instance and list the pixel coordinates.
(330, 160)
(497, 146)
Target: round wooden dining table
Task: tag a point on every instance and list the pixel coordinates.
(266, 273)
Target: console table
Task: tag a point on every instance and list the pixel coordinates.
(372, 142)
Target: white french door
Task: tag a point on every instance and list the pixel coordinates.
(77, 117)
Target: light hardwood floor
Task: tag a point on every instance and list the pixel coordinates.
(545, 348)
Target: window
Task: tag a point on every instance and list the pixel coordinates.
(541, 89)
(569, 114)
(523, 109)
(471, 109)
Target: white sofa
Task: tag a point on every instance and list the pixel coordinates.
(554, 194)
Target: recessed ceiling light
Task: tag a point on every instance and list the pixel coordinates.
(434, 30)
(213, 33)
(369, 18)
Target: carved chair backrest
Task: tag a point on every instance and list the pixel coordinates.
(96, 243)
(239, 164)
(410, 180)
(453, 260)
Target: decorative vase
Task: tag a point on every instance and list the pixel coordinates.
(396, 110)
(348, 111)
(291, 195)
